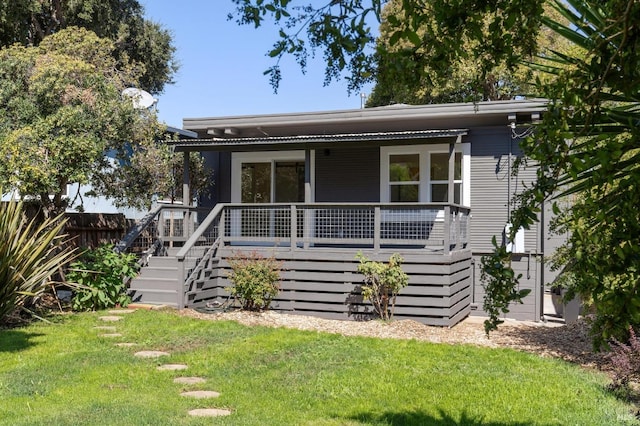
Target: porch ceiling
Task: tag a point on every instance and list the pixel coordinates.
(311, 141)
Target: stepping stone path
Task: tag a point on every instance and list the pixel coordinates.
(209, 412)
(121, 311)
(201, 394)
(197, 394)
(172, 367)
(189, 380)
(105, 328)
(110, 318)
(151, 354)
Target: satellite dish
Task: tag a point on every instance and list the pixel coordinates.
(140, 98)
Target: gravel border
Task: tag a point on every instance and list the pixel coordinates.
(568, 342)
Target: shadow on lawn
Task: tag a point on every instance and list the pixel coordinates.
(419, 418)
(16, 340)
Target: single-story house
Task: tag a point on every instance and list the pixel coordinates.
(431, 182)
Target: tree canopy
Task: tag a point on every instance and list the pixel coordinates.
(137, 40)
(405, 74)
(63, 120)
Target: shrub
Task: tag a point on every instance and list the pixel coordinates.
(100, 278)
(256, 280)
(625, 360)
(30, 254)
(383, 282)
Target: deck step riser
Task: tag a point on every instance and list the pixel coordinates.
(155, 284)
(168, 298)
(158, 272)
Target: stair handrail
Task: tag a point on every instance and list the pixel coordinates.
(199, 268)
(136, 230)
(198, 233)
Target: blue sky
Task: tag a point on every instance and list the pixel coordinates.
(222, 65)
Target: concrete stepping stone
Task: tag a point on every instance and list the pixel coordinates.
(172, 367)
(209, 412)
(201, 394)
(121, 311)
(105, 328)
(189, 380)
(111, 335)
(126, 344)
(110, 318)
(151, 354)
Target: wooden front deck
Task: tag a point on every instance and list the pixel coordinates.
(317, 244)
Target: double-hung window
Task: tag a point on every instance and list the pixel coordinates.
(420, 173)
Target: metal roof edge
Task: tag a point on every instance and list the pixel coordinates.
(347, 137)
(365, 114)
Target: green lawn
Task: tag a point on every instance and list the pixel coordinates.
(65, 374)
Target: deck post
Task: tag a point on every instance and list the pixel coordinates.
(307, 176)
(293, 227)
(451, 177)
(186, 196)
(221, 229)
(447, 229)
(458, 245)
(377, 220)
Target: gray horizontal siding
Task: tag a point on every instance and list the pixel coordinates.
(530, 309)
(348, 175)
(492, 187)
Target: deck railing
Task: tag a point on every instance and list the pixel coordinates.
(435, 227)
(168, 225)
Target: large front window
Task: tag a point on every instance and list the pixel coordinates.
(268, 177)
(420, 173)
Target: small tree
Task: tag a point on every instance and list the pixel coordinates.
(30, 254)
(383, 282)
(255, 280)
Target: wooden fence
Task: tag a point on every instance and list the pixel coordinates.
(90, 230)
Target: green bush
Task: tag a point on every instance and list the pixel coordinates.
(256, 280)
(100, 278)
(383, 282)
(29, 256)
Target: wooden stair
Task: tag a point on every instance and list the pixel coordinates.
(158, 283)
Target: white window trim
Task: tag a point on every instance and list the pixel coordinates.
(238, 158)
(424, 152)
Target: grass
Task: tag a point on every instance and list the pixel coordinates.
(66, 374)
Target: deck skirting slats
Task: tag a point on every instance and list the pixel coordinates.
(327, 284)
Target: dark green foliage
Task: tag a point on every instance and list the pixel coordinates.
(30, 253)
(136, 39)
(256, 280)
(382, 283)
(99, 278)
(501, 285)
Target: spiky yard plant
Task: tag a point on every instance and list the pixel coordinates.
(30, 253)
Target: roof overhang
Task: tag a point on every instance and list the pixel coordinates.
(315, 141)
(393, 118)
